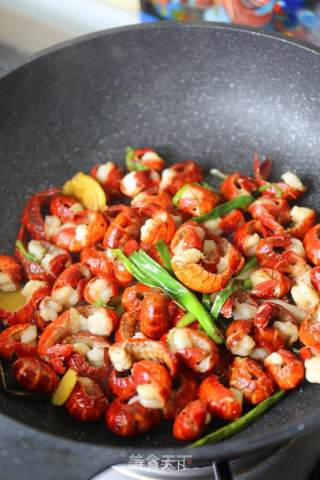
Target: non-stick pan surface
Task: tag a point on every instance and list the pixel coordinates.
(208, 92)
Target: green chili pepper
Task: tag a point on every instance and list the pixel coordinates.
(164, 254)
(24, 252)
(239, 424)
(186, 320)
(239, 202)
(149, 272)
(130, 163)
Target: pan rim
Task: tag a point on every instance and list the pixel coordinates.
(230, 448)
(154, 26)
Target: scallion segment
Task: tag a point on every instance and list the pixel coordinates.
(178, 195)
(247, 284)
(231, 287)
(222, 297)
(208, 186)
(119, 310)
(24, 252)
(99, 303)
(164, 254)
(251, 263)
(141, 276)
(178, 292)
(130, 163)
(206, 301)
(186, 320)
(239, 202)
(277, 189)
(148, 271)
(218, 173)
(239, 424)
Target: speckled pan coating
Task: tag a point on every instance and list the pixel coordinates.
(211, 93)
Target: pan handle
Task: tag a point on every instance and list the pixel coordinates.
(221, 471)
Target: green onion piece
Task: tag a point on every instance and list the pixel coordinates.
(162, 279)
(239, 424)
(264, 187)
(239, 202)
(278, 190)
(295, 350)
(130, 163)
(208, 186)
(218, 173)
(251, 263)
(141, 276)
(231, 287)
(99, 303)
(178, 195)
(206, 301)
(129, 158)
(24, 252)
(186, 320)
(119, 310)
(247, 283)
(139, 166)
(222, 297)
(164, 254)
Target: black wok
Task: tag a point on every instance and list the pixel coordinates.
(207, 92)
